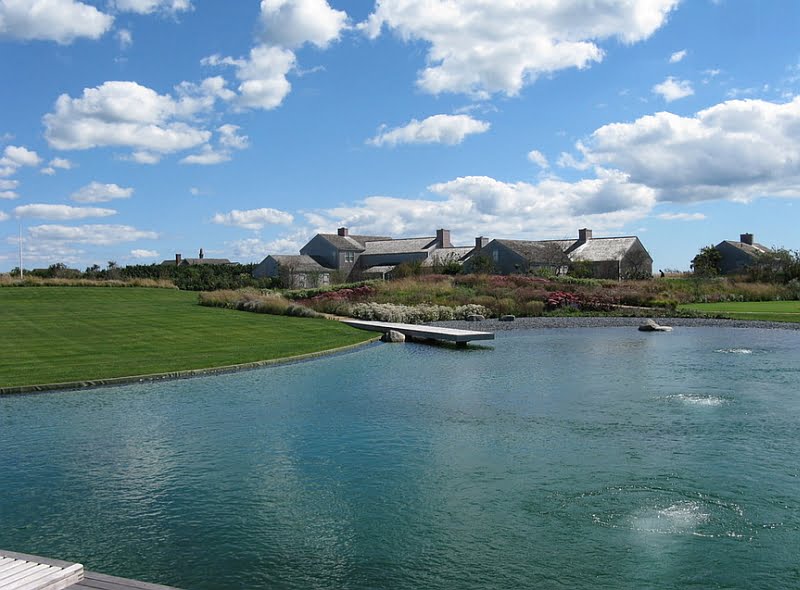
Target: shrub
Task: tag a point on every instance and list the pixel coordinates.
(413, 314)
(255, 301)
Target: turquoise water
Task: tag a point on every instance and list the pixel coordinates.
(583, 458)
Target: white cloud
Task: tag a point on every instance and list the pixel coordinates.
(447, 129)
(56, 163)
(16, 156)
(738, 149)
(49, 171)
(538, 158)
(549, 208)
(97, 192)
(3, 216)
(672, 89)
(8, 195)
(678, 56)
(682, 216)
(480, 48)
(144, 157)
(124, 38)
(61, 21)
(262, 76)
(144, 254)
(253, 219)
(102, 235)
(229, 139)
(60, 212)
(150, 6)
(123, 114)
(8, 184)
(292, 23)
(208, 156)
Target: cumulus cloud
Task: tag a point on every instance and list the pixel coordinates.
(253, 218)
(262, 76)
(292, 23)
(9, 195)
(56, 163)
(228, 140)
(144, 254)
(124, 114)
(60, 212)
(672, 89)
(151, 6)
(549, 208)
(446, 129)
(678, 56)
(17, 156)
(538, 158)
(480, 48)
(124, 38)
(97, 192)
(7, 185)
(682, 216)
(101, 235)
(3, 216)
(738, 149)
(61, 21)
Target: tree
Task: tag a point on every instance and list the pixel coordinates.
(707, 263)
(775, 266)
(481, 264)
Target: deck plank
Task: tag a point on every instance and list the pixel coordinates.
(422, 331)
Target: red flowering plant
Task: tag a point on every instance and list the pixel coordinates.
(562, 299)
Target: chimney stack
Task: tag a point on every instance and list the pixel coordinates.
(480, 242)
(584, 235)
(177, 259)
(201, 253)
(342, 231)
(443, 238)
(746, 239)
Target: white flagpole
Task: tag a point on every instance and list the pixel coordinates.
(20, 247)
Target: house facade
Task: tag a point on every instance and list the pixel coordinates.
(737, 256)
(295, 272)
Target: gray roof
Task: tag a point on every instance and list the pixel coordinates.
(351, 242)
(537, 251)
(379, 269)
(753, 250)
(299, 263)
(600, 249)
(402, 245)
(196, 261)
(445, 255)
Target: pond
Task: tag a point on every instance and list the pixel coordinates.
(581, 458)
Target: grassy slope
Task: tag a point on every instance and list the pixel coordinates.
(775, 311)
(58, 334)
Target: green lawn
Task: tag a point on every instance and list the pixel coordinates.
(60, 334)
(773, 311)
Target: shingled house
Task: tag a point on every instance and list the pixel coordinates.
(296, 272)
(737, 256)
(603, 258)
(347, 257)
(201, 259)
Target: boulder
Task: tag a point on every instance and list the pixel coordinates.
(653, 326)
(508, 318)
(393, 336)
(475, 317)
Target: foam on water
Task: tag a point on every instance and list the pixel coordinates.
(696, 399)
(734, 351)
(679, 518)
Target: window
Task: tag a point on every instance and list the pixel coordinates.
(496, 255)
(349, 256)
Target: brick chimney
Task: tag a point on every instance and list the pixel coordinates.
(480, 242)
(584, 235)
(342, 231)
(443, 238)
(746, 239)
(177, 260)
(201, 253)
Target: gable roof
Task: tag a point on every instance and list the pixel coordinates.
(195, 261)
(753, 250)
(600, 249)
(400, 246)
(537, 251)
(299, 262)
(445, 255)
(350, 242)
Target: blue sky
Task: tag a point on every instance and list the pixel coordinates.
(131, 130)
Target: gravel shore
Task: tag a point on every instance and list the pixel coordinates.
(493, 325)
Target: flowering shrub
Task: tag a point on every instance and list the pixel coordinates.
(413, 314)
(559, 299)
(354, 294)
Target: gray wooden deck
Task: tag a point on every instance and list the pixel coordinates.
(460, 337)
(54, 574)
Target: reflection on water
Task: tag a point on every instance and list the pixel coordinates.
(577, 458)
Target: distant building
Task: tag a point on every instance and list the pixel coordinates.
(603, 258)
(201, 259)
(296, 272)
(737, 256)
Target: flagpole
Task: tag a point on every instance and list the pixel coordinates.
(20, 247)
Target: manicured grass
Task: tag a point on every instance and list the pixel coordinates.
(772, 311)
(60, 334)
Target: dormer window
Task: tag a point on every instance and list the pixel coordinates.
(349, 256)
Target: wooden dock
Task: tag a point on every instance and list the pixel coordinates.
(460, 337)
(19, 571)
